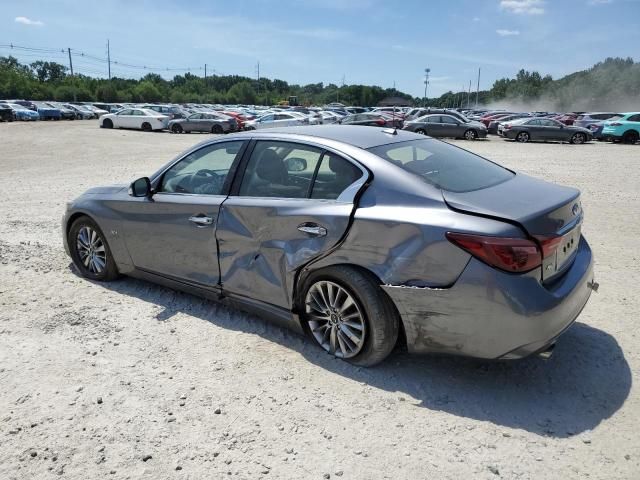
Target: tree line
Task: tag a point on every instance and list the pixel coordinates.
(610, 84)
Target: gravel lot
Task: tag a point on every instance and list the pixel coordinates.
(131, 380)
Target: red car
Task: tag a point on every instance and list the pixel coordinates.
(567, 118)
(495, 116)
(239, 118)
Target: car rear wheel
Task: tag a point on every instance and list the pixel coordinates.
(217, 129)
(522, 137)
(146, 126)
(90, 252)
(106, 123)
(578, 138)
(421, 131)
(349, 316)
(176, 128)
(470, 135)
(630, 137)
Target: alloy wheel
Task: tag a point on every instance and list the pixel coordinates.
(470, 135)
(91, 251)
(523, 137)
(578, 138)
(335, 319)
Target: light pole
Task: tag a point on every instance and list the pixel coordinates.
(426, 84)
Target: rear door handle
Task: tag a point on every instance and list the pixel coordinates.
(201, 220)
(312, 229)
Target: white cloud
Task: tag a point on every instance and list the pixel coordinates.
(28, 21)
(507, 33)
(476, 19)
(600, 2)
(523, 7)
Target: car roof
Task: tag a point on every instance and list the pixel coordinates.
(357, 136)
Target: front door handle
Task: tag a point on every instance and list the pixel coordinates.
(312, 229)
(201, 220)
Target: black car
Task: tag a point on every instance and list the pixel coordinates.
(543, 129)
(6, 113)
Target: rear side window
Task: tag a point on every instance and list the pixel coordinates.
(634, 118)
(444, 166)
(293, 170)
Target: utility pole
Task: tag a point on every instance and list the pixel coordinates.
(109, 59)
(71, 68)
(469, 95)
(258, 76)
(70, 62)
(426, 84)
(478, 88)
(205, 71)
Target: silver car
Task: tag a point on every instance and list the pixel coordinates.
(361, 237)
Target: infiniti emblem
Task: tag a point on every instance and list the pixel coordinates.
(576, 209)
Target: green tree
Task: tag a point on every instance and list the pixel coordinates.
(147, 92)
(242, 92)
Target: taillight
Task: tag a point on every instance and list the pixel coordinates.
(380, 122)
(549, 245)
(506, 127)
(516, 255)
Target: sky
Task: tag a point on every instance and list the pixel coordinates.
(374, 42)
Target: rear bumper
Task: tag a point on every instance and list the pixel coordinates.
(491, 314)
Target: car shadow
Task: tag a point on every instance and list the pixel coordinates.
(585, 382)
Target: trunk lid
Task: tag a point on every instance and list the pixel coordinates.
(544, 210)
(540, 207)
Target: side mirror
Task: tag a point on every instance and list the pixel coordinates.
(296, 164)
(140, 188)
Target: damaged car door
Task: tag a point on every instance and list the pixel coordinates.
(290, 203)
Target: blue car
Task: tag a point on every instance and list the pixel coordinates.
(47, 112)
(625, 128)
(23, 113)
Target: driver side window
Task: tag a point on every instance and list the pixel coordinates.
(202, 172)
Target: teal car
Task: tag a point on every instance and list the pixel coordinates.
(625, 128)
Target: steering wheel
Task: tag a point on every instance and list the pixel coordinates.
(205, 172)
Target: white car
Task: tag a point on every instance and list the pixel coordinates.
(139, 118)
(330, 117)
(278, 119)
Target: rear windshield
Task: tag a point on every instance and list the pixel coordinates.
(444, 166)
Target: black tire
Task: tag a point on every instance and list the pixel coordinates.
(630, 137)
(382, 323)
(107, 123)
(217, 129)
(522, 137)
(110, 271)
(578, 138)
(470, 134)
(176, 128)
(146, 127)
(421, 131)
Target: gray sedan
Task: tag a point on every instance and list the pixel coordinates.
(359, 237)
(446, 126)
(543, 129)
(203, 122)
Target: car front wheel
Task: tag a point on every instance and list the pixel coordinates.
(578, 138)
(349, 316)
(470, 135)
(90, 252)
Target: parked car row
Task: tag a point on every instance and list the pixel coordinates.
(572, 127)
(469, 124)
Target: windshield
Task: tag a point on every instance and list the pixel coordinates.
(444, 166)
